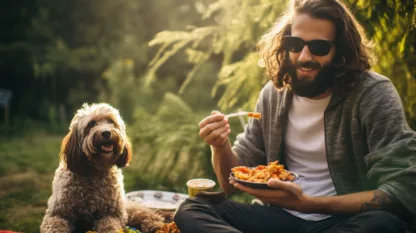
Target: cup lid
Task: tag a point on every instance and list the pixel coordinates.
(201, 183)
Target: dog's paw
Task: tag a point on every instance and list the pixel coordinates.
(151, 226)
(142, 218)
(109, 225)
(167, 216)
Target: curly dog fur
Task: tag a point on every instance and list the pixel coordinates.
(88, 190)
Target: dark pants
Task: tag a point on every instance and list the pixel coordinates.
(200, 215)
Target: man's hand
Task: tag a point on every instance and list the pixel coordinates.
(290, 196)
(284, 194)
(215, 129)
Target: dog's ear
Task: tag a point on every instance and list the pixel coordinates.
(72, 154)
(125, 157)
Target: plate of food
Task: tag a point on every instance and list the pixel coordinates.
(154, 199)
(257, 177)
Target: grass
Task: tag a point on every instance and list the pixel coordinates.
(26, 174)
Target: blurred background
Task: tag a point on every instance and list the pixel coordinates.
(165, 64)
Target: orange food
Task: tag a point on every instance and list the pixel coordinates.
(262, 173)
(169, 228)
(256, 115)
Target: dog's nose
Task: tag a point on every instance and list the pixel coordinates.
(106, 134)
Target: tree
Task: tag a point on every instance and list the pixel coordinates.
(57, 51)
(232, 40)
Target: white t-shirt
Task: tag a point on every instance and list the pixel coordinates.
(305, 149)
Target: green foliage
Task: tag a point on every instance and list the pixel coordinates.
(77, 42)
(241, 81)
(198, 95)
(121, 87)
(175, 152)
(392, 27)
(65, 46)
(233, 37)
(172, 43)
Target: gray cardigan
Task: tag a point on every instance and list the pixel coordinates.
(369, 144)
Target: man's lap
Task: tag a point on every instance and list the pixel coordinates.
(273, 219)
(247, 218)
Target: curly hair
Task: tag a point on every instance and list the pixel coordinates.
(354, 50)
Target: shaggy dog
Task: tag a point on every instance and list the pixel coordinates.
(88, 190)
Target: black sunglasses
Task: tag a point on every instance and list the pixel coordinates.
(317, 47)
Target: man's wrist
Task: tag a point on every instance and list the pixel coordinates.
(226, 146)
(315, 204)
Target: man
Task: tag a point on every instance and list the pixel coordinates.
(326, 117)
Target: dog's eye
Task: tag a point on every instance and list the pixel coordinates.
(110, 121)
(91, 124)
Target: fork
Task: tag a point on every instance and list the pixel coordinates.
(255, 115)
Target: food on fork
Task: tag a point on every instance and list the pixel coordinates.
(262, 173)
(256, 115)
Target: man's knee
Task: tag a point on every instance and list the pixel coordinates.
(379, 221)
(188, 209)
(181, 212)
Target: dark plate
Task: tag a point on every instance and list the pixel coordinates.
(259, 185)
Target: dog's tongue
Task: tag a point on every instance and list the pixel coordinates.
(107, 147)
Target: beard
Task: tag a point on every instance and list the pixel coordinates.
(311, 88)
